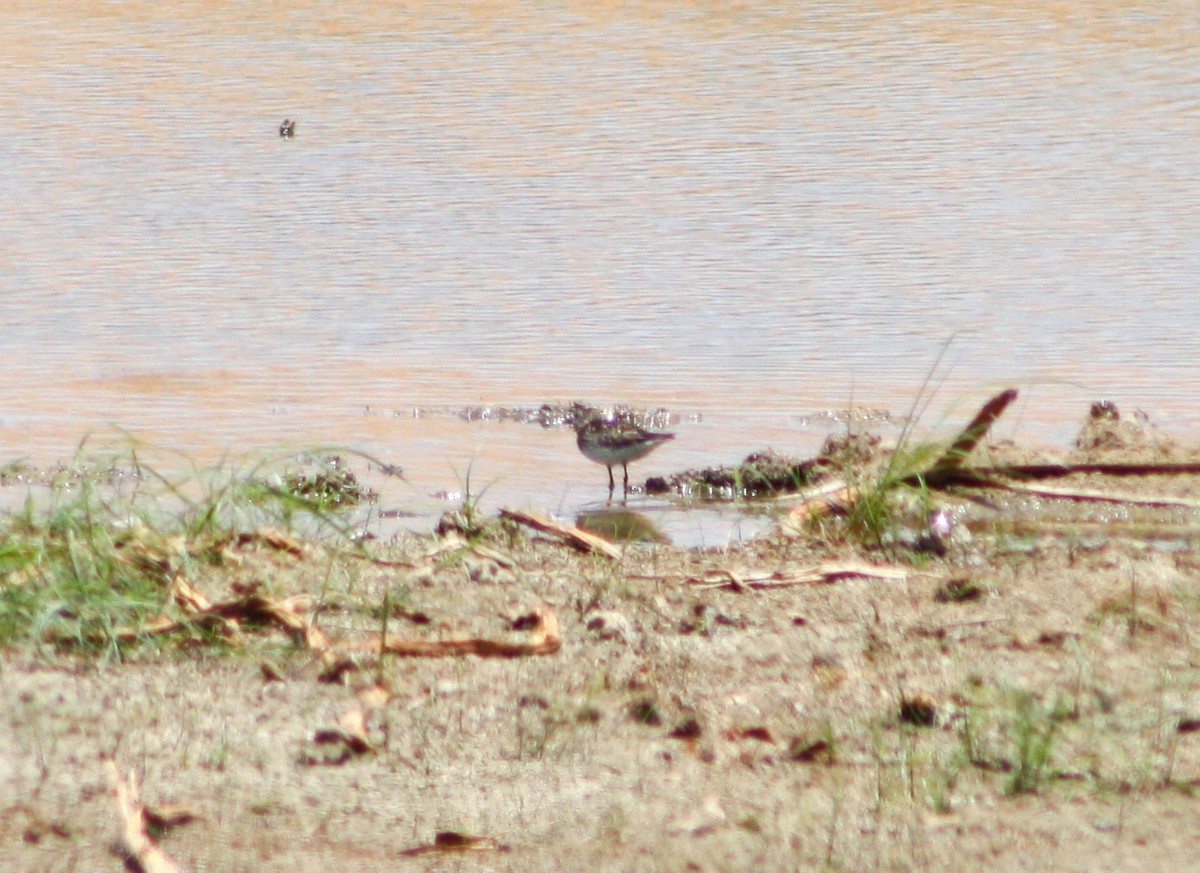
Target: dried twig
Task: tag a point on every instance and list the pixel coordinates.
(1052, 471)
(969, 437)
(287, 614)
(452, 841)
(350, 738)
(544, 640)
(575, 537)
(141, 851)
(819, 502)
(1094, 496)
(823, 574)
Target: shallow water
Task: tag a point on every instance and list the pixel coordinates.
(749, 214)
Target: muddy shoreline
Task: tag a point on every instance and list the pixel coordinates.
(1027, 696)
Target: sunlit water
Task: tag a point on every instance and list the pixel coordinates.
(750, 214)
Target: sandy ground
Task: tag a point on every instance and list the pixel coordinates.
(865, 722)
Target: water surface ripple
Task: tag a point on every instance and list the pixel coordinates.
(748, 212)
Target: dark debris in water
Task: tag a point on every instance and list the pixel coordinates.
(762, 474)
(557, 414)
(332, 484)
(851, 450)
(1105, 430)
(768, 473)
(545, 415)
(466, 524)
(68, 476)
(651, 419)
(855, 415)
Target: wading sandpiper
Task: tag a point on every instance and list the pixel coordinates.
(615, 442)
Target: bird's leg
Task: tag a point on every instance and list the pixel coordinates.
(626, 468)
(611, 483)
